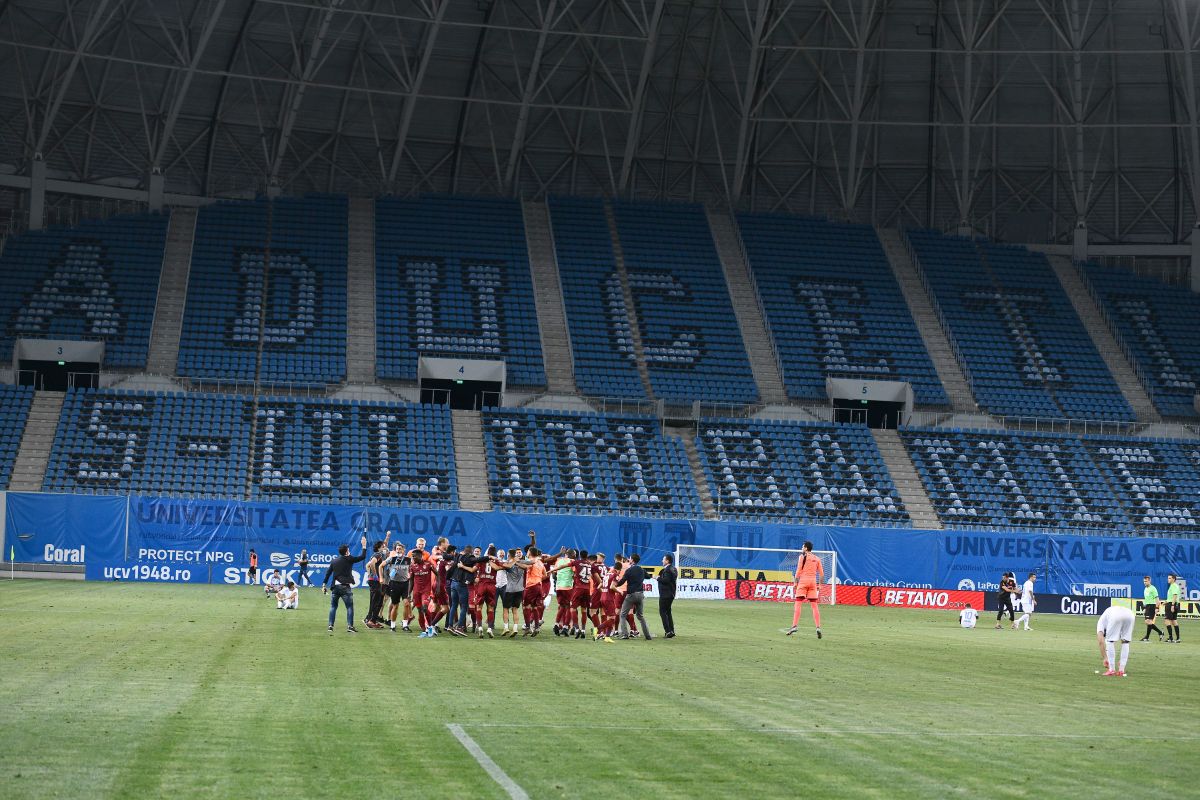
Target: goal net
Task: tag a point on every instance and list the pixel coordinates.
(771, 565)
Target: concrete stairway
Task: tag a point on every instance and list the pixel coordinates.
(34, 454)
(470, 460)
(172, 292)
(744, 295)
(1102, 336)
(635, 328)
(945, 363)
(908, 482)
(547, 294)
(360, 292)
(688, 436)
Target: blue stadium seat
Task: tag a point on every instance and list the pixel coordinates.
(1048, 481)
(690, 334)
(295, 306)
(97, 281)
(452, 280)
(14, 412)
(797, 471)
(572, 463)
(1157, 324)
(598, 321)
(354, 452)
(193, 444)
(834, 307)
(1026, 352)
(117, 442)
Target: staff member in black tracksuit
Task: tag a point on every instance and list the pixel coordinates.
(666, 578)
(341, 571)
(1008, 585)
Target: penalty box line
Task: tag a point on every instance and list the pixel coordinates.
(489, 766)
(826, 732)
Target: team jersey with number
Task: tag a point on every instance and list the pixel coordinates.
(486, 573)
(420, 573)
(967, 617)
(583, 572)
(608, 579)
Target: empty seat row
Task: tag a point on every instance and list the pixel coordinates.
(96, 281)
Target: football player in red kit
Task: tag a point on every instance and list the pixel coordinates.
(420, 574)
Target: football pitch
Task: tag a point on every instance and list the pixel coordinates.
(144, 690)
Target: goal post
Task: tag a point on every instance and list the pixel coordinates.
(700, 561)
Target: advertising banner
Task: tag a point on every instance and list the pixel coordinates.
(1077, 605)
(892, 597)
(1189, 609)
(204, 540)
(65, 529)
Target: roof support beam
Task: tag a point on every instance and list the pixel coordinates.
(527, 93)
(95, 24)
(748, 101)
(316, 57)
(414, 91)
(639, 97)
(181, 93)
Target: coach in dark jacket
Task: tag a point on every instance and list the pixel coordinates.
(634, 581)
(341, 573)
(667, 577)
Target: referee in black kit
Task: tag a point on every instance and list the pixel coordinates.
(666, 578)
(341, 569)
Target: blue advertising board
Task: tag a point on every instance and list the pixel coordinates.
(204, 540)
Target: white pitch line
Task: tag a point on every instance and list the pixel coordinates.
(830, 731)
(485, 761)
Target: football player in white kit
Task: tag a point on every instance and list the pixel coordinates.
(1027, 602)
(968, 617)
(1115, 625)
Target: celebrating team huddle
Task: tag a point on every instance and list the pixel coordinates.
(466, 587)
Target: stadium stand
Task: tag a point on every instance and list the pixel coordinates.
(690, 336)
(14, 411)
(1025, 350)
(564, 462)
(1157, 324)
(296, 308)
(354, 452)
(991, 478)
(117, 442)
(813, 472)
(452, 279)
(194, 444)
(94, 281)
(597, 319)
(834, 306)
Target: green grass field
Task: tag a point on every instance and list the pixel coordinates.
(142, 691)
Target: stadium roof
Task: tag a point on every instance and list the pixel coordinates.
(1019, 116)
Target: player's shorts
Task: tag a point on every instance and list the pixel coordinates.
(253, 573)
(1025, 606)
(580, 597)
(596, 600)
(420, 597)
(807, 591)
(563, 596)
(513, 599)
(612, 603)
(1171, 612)
(485, 594)
(472, 595)
(1150, 612)
(1120, 631)
(441, 596)
(533, 595)
(397, 591)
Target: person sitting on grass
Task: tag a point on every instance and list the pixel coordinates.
(274, 583)
(288, 597)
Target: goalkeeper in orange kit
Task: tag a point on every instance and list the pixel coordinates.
(809, 572)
